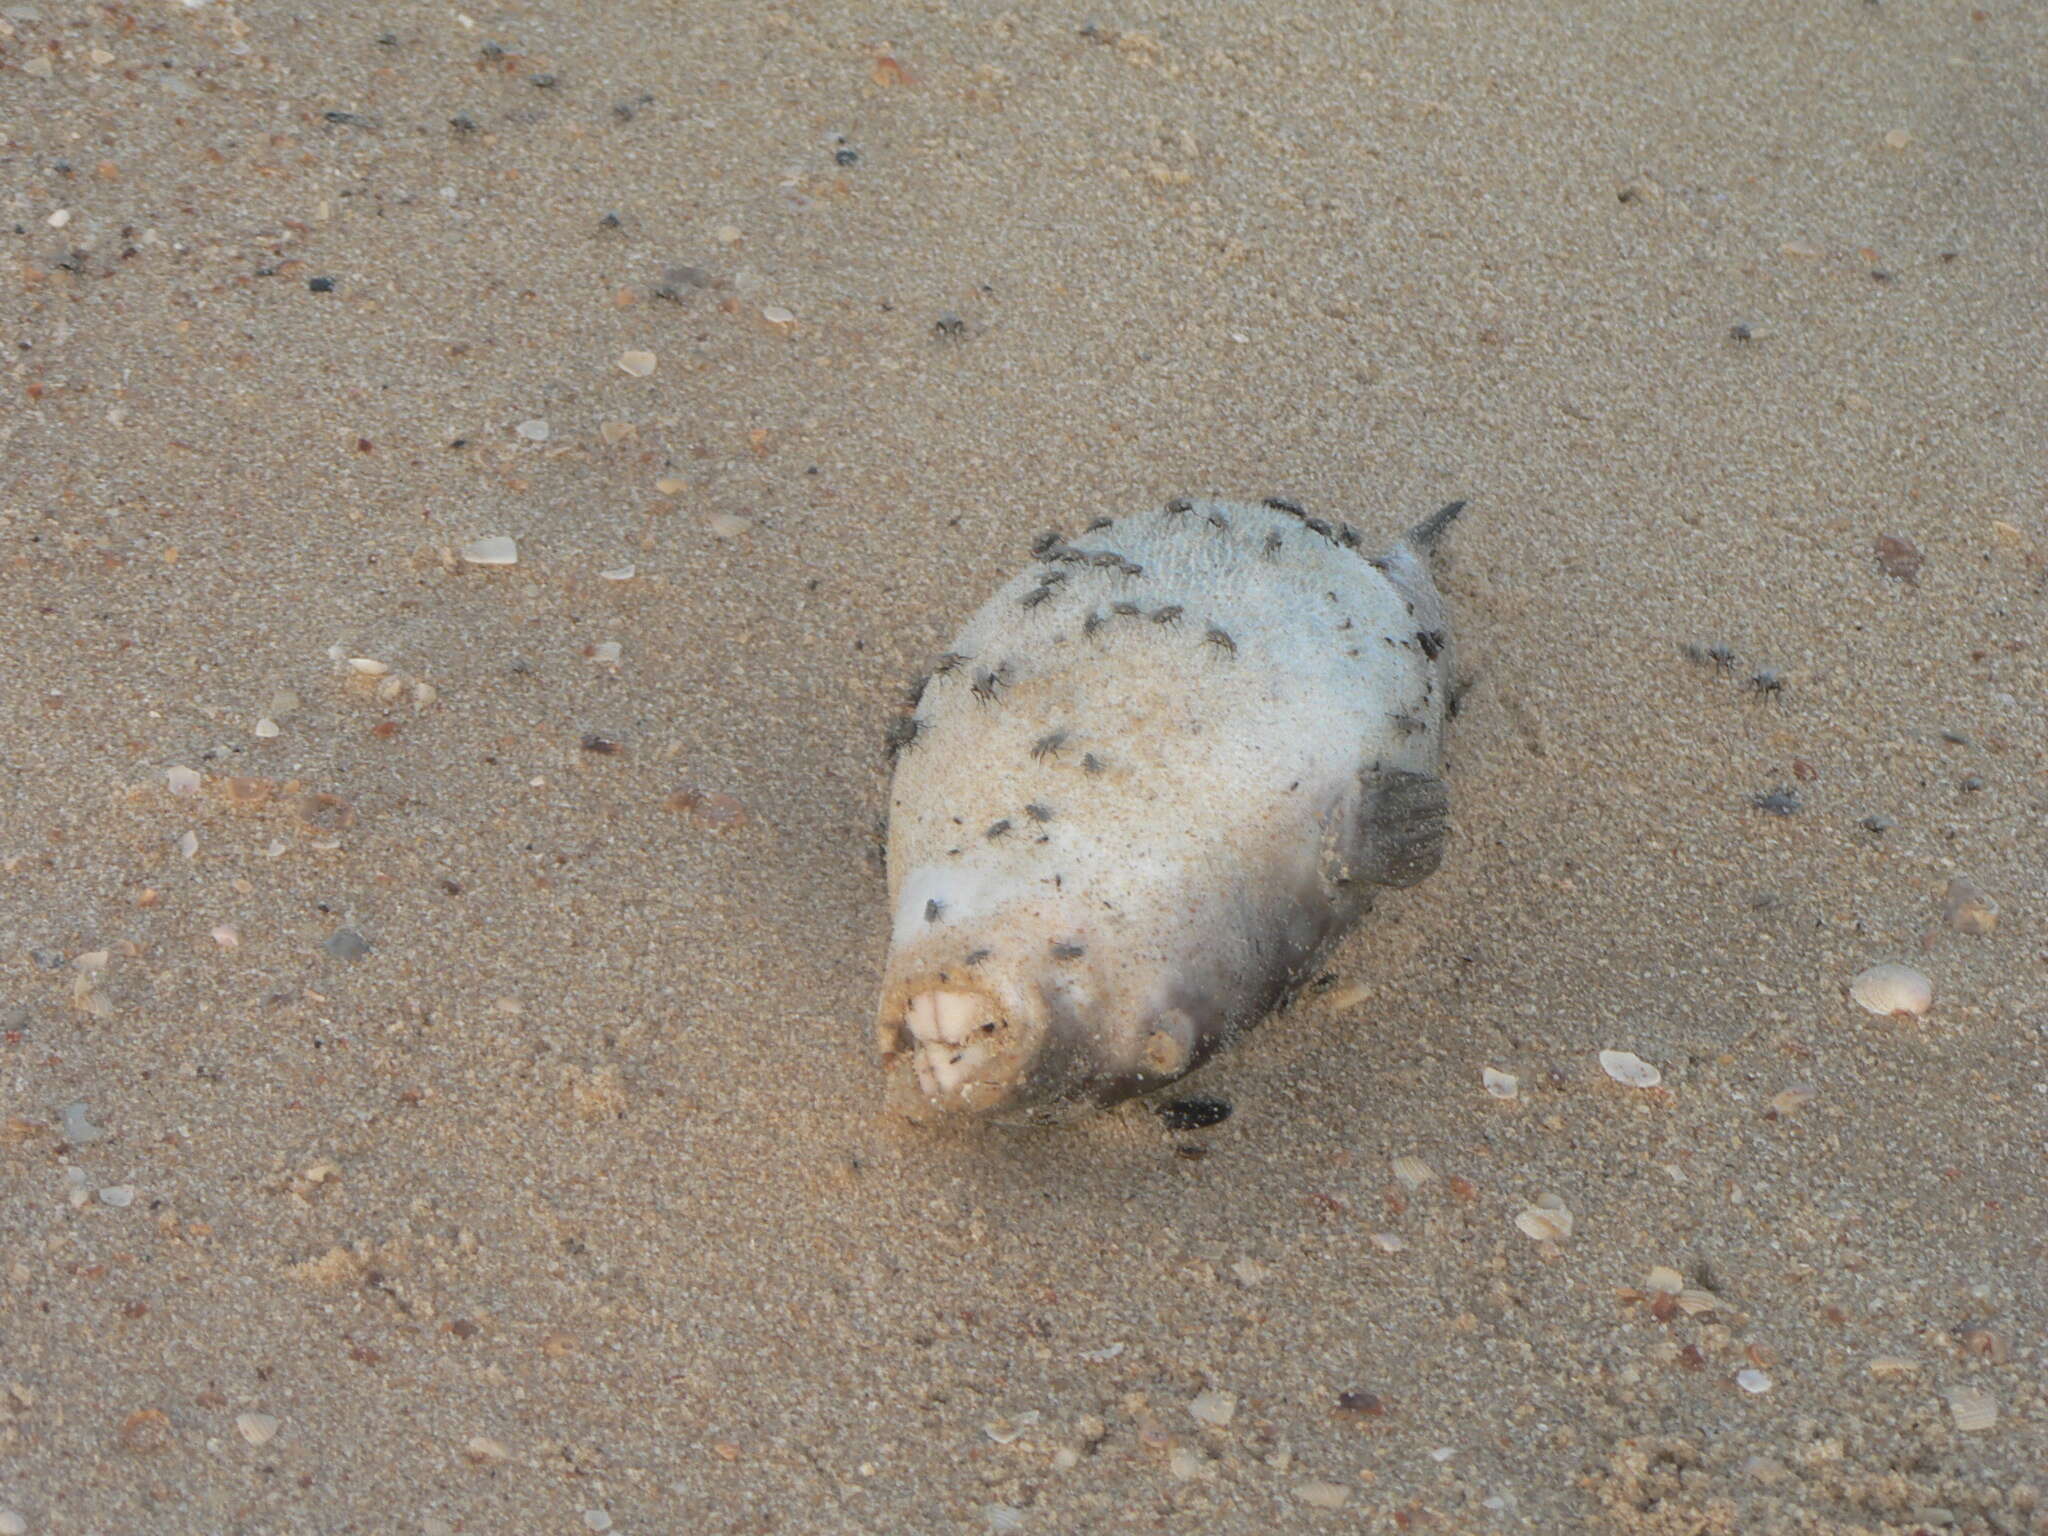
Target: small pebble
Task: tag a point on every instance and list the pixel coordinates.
(606, 653)
(638, 364)
(1893, 989)
(1502, 1085)
(347, 944)
(1753, 1380)
(119, 1196)
(12, 1523)
(495, 550)
(183, 781)
(266, 729)
(534, 430)
(257, 1428)
(727, 525)
(597, 1519)
(320, 284)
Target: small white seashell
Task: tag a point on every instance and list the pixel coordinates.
(227, 936)
(183, 781)
(495, 550)
(188, 844)
(1753, 1380)
(638, 364)
(1893, 1365)
(1664, 1278)
(1891, 989)
(93, 960)
(618, 573)
(1692, 1301)
(388, 688)
(1502, 1085)
(1413, 1172)
(534, 430)
(368, 666)
(1103, 1355)
(119, 1196)
(727, 525)
(1973, 1408)
(606, 652)
(1629, 1069)
(257, 1428)
(266, 728)
(1389, 1242)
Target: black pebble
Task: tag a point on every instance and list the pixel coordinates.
(320, 284)
(1194, 1114)
(846, 156)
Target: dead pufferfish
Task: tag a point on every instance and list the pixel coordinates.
(1146, 788)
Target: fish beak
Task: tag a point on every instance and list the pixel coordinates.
(955, 1053)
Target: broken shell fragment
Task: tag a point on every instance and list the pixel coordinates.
(1629, 1069)
(498, 549)
(1502, 1085)
(1413, 1172)
(1973, 1408)
(1891, 989)
(1547, 1220)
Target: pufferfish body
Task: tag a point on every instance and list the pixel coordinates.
(1144, 790)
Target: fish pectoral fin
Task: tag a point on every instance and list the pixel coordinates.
(1404, 817)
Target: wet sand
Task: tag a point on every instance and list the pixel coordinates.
(436, 1089)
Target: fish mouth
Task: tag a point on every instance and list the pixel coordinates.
(955, 1052)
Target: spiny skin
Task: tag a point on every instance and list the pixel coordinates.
(1116, 841)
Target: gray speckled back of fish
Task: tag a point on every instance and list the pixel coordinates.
(1145, 788)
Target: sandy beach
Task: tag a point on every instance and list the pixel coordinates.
(473, 487)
